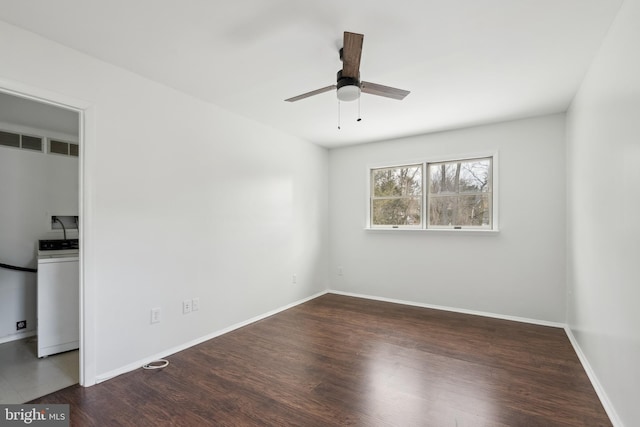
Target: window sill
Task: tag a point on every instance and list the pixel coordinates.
(438, 230)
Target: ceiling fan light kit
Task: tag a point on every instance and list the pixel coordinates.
(348, 88)
(348, 93)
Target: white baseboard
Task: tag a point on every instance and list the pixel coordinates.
(137, 364)
(604, 399)
(453, 309)
(17, 336)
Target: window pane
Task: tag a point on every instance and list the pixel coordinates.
(404, 211)
(460, 211)
(460, 177)
(396, 182)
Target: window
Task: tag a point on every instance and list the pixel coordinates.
(459, 195)
(396, 196)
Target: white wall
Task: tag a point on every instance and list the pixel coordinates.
(604, 202)
(519, 271)
(185, 200)
(33, 186)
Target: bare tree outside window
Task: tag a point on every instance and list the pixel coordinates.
(459, 193)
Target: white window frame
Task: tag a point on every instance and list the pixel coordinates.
(424, 217)
(372, 198)
(429, 196)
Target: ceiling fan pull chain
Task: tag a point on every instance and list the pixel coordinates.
(359, 116)
(338, 114)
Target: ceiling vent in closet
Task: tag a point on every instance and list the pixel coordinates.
(63, 147)
(16, 140)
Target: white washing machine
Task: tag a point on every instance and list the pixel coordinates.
(58, 301)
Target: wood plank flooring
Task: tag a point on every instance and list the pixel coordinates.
(338, 360)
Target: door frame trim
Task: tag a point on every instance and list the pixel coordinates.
(86, 138)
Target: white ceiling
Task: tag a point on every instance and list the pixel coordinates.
(465, 62)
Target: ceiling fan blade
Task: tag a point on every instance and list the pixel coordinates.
(351, 53)
(381, 90)
(313, 92)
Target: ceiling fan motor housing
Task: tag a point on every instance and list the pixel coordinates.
(348, 88)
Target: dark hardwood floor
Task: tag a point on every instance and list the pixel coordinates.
(339, 360)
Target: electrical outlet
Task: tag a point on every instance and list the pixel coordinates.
(155, 315)
(22, 324)
(294, 279)
(195, 304)
(186, 306)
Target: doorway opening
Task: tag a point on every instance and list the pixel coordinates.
(39, 182)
